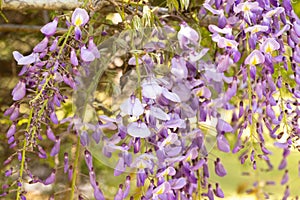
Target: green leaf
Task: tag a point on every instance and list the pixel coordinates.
(173, 4)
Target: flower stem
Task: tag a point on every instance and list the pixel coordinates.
(139, 87)
(252, 125)
(23, 155)
(75, 172)
(65, 40)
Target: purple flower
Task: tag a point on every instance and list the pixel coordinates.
(120, 167)
(170, 95)
(98, 193)
(79, 18)
(151, 89)
(25, 60)
(178, 67)
(15, 114)
(138, 129)
(50, 134)
(11, 131)
(270, 112)
(70, 172)
(119, 195)
(222, 143)
(8, 172)
(86, 54)
(73, 57)
(132, 106)
(216, 29)
(88, 159)
(11, 140)
(56, 147)
(255, 57)
(224, 42)
(246, 8)
(66, 162)
(92, 178)
(19, 91)
(54, 45)
(210, 193)
(159, 113)
(169, 171)
(132, 61)
(50, 28)
(219, 168)
(84, 138)
(40, 47)
(218, 191)
(93, 48)
(282, 164)
(274, 11)
(177, 184)
(269, 45)
(53, 117)
(51, 178)
(42, 152)
(286, 193)
(256, 28)
(223, 63)
(127, 187)
(212, 10)
(223, 126)
(285, 178)
(161, 189)
(187, 35)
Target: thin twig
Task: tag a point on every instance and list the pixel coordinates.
(25, 28)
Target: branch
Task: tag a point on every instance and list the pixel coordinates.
(40, 4)
(25, 28)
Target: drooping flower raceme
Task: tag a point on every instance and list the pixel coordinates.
(79, 18)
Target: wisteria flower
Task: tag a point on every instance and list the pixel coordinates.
(50, 28)
(40, 47)
(255, 58)
(212, 10)
(151, 89)
(215, 29)
(51, 178)
(247, 8)
(73, 57)
(158, 113)
(93, 48)
(224, 62)
(86, 55)
(179, 68)
(275, 11)
(19, 91)
(224, 42)
(132, 106)
(25, 60)
(164, 188)
(269, 45)
(256, 28)
(79, 18)
(138, 129)
(186, 36)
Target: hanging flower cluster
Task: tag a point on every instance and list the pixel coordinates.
(51, 65)
(157, 132)
(259, 43)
